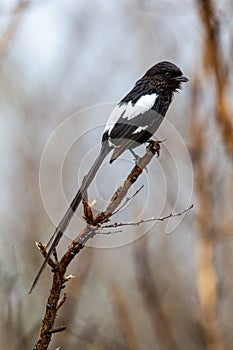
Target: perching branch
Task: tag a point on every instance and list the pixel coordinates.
(94, 225)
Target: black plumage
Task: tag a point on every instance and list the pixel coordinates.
(141, 111)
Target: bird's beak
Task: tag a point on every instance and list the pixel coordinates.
(181, 79)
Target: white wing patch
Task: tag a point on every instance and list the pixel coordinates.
(140, 128)
(114, 116)
(142, 105)
(129, 111)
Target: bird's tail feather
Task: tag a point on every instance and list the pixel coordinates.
(105, 149)
(125, 144)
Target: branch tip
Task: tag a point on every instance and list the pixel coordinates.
(57, 330)
(61, 301)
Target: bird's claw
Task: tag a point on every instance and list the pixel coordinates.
(154, 147)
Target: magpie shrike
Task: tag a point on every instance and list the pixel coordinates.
(138, 115)
(132, 122)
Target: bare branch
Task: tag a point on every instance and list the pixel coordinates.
(109, 232)
(128, 199)
(171, 215)
(78, 244)
(89, 231)
(57, 330)
(152, 149)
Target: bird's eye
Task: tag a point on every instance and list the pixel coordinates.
(167, 75)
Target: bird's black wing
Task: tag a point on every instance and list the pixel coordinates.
(127, 134)
(134, 121)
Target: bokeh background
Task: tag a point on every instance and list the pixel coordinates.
(63, 66)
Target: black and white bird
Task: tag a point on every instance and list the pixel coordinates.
(139, 114)
(132, 122)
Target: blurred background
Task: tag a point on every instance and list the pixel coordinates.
(64, 64)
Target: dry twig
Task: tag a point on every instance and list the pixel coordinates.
(162, 218)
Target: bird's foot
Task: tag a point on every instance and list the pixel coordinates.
(154, 146)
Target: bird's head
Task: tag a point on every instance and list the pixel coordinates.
(165, 76)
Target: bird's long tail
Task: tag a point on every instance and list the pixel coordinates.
(105, 149)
